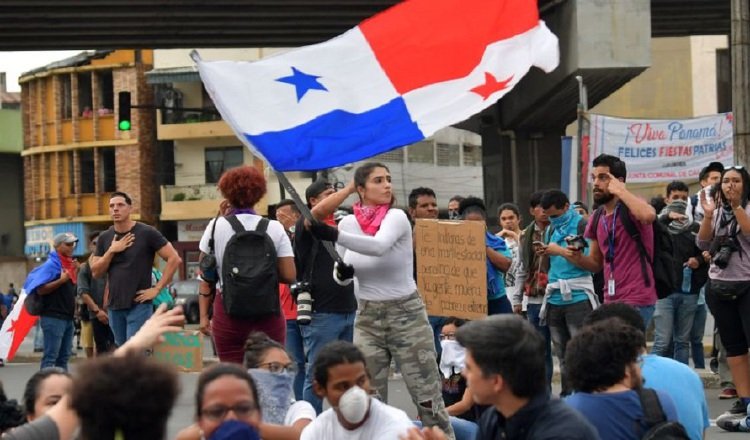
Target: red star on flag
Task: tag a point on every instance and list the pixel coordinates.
(13, 324)
(491, 85)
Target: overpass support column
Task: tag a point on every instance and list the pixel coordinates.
(740, 53)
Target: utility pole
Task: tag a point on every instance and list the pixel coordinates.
(739, 43)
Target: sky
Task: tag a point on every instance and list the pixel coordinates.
(15, 63)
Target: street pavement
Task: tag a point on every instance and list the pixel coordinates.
(15, 375)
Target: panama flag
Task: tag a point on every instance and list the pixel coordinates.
(18, 323)
(393, 80)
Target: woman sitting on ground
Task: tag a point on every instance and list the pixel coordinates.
(272, 371)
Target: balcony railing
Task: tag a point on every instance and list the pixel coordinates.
(191, 193)
(189, 202)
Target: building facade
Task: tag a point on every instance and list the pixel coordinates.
(13, 264)
(74, 156)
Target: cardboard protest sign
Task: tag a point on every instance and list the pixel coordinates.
(451, 267)
(182, 349)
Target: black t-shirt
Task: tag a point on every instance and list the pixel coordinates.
(94, 287)
(60, 303)
(130, 270)
(328, 296)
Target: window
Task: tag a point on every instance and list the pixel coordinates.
(219, 160)
(421, 152)
(395, 156)
(85, 105)
(86, 168)
(108, 172)
(472, 155)
(448, 155)
(106, 92)
(66, 100)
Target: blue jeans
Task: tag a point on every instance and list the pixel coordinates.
(462, 428)
(647, 312)
(58, 341)
(436, 322)
(499, 306)
(696, 336)
(674, 314)
(324, 328)
(126, 322)
(296, 349)
(532, 314)
(38, 336)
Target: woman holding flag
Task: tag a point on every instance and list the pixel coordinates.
(391, 322)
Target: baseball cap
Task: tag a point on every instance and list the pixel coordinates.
(64, 237)
(316, 188)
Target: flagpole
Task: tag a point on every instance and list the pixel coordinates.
(582, 109)
(306, 213)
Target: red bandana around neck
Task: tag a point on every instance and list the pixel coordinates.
(370, 217)
(69, 266)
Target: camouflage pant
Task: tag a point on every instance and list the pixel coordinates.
(399, 330)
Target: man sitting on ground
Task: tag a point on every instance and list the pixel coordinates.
(340, 376)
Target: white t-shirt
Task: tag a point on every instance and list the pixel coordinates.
(298, 411)
(384, 423)
(383, 263)
(224, 232)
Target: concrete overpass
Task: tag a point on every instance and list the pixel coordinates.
(111, 24)
(606, 42)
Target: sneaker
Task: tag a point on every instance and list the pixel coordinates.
(736, 419)
(2, 363)
(728, 393)
(733, 422)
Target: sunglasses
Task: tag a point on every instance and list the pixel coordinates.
(73, 244)
(735, 167)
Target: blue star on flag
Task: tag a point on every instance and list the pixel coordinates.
(302, 82)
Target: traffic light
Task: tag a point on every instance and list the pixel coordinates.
(124, 119)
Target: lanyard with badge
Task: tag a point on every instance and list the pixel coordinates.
(611, 251)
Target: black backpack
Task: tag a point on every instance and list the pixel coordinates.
(659, 428)
(249, 274)
(663, 262)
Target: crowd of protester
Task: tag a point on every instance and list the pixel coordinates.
(331, 311)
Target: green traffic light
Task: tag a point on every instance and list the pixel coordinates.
(124, 125)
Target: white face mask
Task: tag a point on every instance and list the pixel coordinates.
(453, 358)
(353, 405)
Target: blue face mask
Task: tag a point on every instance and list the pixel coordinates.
(235, 430)
(562, 220)
(275, 394)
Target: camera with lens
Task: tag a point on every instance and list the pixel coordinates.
(301, 291)
(722, 251)
(576, 242)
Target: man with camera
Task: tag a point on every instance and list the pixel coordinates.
(612, 248)
(325, 307)
(569, 295)
(673, 318)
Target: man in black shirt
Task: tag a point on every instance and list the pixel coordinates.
(59, 304)
(125, 253)
(505, 369)
(333, 305)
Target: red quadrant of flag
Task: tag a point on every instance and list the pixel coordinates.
(421, 42)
